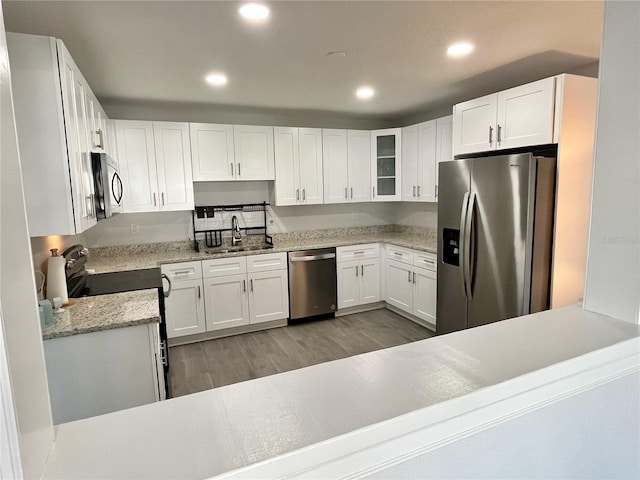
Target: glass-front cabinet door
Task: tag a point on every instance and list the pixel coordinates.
(386, 165)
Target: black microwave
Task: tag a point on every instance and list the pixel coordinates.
(107, 185)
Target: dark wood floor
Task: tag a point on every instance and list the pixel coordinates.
(214, 363)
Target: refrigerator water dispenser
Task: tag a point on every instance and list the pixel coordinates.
(450, 246)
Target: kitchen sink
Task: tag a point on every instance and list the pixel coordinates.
(237, 249)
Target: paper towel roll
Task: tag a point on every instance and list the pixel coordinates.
(56, 280)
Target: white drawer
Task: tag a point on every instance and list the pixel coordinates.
(358, 252)
(180, 272)
(400, 254)
(425, 260)
(266, 262)
(224, 266)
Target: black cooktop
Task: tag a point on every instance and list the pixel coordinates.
(117, 282)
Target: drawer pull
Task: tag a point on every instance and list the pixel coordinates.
(359, 252)
(182, 272)
(398, 253)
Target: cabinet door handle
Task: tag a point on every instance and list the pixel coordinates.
(414, 277)
(361, 270)
(162, 195)
(244, 286)
(351, 192)
(374, 192)
(499, 134)
(418, 190)
(304, 194)
(297, 194)
(409, 276)
(356, 270)
(155, 204)
(100, 139)
(251, 284)
(199, 295)
(490, 134)
(345, 192)
(239, 174)
(414, 190)
(231, 168)
(436, 190)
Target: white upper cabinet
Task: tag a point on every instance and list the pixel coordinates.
(518, 117)
(137, 161)
(409, 163)
(310, 157)
(212, 151)
(525, 115)
(336, 168)
(298, 154)
(173, 164)
(386, 173)
(419, 162)
(359, 161)
(347, 165)
(254, 155)
(444, 140)
(155, 161)
(50, 103)
(474, 124)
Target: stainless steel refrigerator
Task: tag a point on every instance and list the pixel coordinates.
(495, 229)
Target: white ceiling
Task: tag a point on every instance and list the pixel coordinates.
(161, 51)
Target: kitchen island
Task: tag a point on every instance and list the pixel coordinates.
(102, 355)
(299, 422)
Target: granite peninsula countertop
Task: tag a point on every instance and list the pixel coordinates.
(134, 257)
(105, 312)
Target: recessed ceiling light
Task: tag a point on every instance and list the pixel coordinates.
(460, 49)
(254, 11)
(216, 79)
(365, 93)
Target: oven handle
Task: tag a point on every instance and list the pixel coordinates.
(310, 258)
(168, 292)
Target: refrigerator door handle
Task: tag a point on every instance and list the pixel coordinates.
(463, 242)
(468, 255)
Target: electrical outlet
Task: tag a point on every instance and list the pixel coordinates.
(134, 229)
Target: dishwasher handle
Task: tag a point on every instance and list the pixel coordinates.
(310, 258)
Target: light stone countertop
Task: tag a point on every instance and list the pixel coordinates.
(105, 312)
(115, 259)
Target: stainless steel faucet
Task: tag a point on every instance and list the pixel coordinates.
(236, 235)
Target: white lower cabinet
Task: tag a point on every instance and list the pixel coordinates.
(268, 296)
(184, 309)
(226, 301)
(424, 295)
(225, 293)
(359, 279)
(399, 291)
(411, 287)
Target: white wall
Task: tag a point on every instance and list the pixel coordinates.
(20, 320)
(613, 269)
(417, 214)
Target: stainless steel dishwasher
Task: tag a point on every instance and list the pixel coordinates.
(312, 283)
